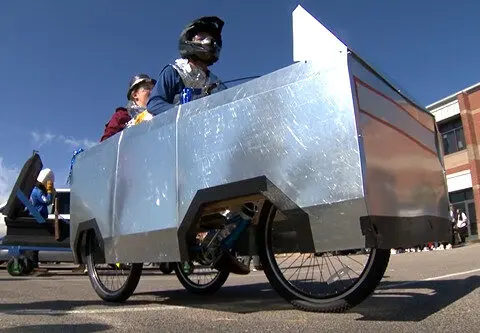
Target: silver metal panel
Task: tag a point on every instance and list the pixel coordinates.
(152, 246)
(402, 171)
(145, 197)
(376, 105)
(296, 126)
(336, 226)
(92, 187)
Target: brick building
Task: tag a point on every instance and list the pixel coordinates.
(458, 119)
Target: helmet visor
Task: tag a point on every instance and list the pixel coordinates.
(205, 45)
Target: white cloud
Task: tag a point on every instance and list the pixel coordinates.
(8, 175)
(77, 143)
(41, 139)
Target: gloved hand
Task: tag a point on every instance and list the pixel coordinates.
(49, 186)
(144, 116)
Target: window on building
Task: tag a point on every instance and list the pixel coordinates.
(452, 135)
(461, 196)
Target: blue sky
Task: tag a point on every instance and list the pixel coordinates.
(65, 65)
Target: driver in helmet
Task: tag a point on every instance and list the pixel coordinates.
(200, 44)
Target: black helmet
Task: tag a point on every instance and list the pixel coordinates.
(136, 80)
(207, 52)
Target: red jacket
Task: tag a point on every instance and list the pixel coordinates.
(117, 123)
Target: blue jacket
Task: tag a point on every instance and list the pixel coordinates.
(41, 200)
(169, 83)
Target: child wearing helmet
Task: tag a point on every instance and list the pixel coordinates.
(139, 89)
(41, 197)
(43, 193)
(200, 44)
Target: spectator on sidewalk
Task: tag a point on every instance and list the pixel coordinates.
(462, 225)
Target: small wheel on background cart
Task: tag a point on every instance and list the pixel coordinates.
(330, 282)
(166, 267)
(200, 279)
(16, 267)
(29, 265)
(113, 282)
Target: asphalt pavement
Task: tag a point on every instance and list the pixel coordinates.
(434, 291)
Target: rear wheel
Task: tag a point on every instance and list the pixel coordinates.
(113, 282)
(200, 279)
(166, 267)
(29, 265)
(318, 282)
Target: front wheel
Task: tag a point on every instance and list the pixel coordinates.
(113, 282)
(317, 282)
(16, 267)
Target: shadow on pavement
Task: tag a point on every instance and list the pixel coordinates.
(238, 299)
(12, 279)
(414, 301)
(246, 298)
(398, 301)
(60, 328)
(56, 273)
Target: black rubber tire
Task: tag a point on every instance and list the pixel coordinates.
(364, 287)
(29, 265)
(207, 289)
(16, 270)
(103, 292)
(166, 267)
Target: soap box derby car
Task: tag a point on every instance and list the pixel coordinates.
(333, 157)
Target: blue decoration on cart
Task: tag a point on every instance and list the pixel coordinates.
(72, 161)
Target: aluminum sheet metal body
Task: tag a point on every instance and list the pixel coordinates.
(333, 138)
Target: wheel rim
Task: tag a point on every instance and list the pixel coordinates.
(15, 268)
(201, 276)
(111, 277)
(200, 273)
(322, 276)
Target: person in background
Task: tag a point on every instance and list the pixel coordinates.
(461, 225)
(199, 44)
(41, 197)
(139, 89)
(43, 193)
